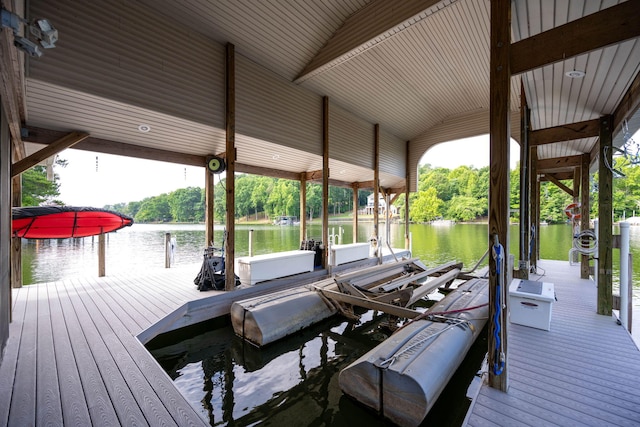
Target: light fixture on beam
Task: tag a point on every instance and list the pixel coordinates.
(46, 35)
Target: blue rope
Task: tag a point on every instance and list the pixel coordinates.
(531, 241)
(498, 358)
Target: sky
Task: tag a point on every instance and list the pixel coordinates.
(117, 179)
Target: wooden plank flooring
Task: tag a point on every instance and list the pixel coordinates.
(585, 371)
(73, 357)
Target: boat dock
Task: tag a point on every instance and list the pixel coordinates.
(584, 371)
(75, 356)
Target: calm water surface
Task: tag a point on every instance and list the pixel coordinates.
(141, 246)
(293, 382)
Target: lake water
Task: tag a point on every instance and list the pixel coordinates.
(141, 246)
(292, 382)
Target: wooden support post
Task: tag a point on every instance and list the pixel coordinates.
(525, 187)
(16, 242)
(354, 186)
(500, 78)
(535, 207)
(209, 204)
(376, 186)
(303, 206)
(407, 239)
(605, 220)
(325, 180)
(585, 208)
(6, 302)
(230, 131)
(102, 249)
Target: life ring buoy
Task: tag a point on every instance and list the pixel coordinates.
(570, 211)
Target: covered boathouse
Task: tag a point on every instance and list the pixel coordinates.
(348, 93)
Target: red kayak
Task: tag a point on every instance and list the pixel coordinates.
(61, 222)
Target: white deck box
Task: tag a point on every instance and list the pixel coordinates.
(342, 254)
(260, 268)
(531, 303)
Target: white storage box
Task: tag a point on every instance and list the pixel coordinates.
(260, 268)
(531, 303)
(342, 254)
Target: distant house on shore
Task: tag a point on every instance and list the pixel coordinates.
(382, 206)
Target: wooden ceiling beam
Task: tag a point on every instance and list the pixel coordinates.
(560, 176)
(552, 178)
(397, 190)
(314, 175)
(606, 27)
(628, 105)
(549, 165)
(12, 87)
(568, 132)
(98, 145)
(372, 24)
(270, 172)
(46, 136)
(50, 150)
(365, 185)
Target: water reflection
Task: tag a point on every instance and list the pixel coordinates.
(293, 381)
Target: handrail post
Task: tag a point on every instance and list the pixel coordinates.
(101, 255)
(167, 250)
(624, 275)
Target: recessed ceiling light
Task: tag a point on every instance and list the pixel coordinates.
(575, 74)
(144, 128)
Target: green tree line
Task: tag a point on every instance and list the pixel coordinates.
(460, 194)
(255, 197)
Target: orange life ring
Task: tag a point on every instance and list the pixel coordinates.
(569, 211)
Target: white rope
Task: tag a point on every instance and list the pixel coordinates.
(586, 242)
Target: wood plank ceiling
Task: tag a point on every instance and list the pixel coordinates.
(408, 65)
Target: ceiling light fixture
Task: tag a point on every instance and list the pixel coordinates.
(144, 128)
(575, 74)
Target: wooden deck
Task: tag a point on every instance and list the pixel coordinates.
(75, 354)
(585, 371)
(75, 357)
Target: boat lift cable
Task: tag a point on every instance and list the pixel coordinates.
(498, 358)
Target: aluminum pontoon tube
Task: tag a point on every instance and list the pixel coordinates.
(268, 318)
(402, 378)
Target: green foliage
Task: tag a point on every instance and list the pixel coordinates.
(626, 192)
(253, 194)
(461, 194)
(187, 205)
(155, 209)
(466, 208)
(553, 201)
(37, 189)
(425, 205)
